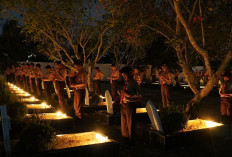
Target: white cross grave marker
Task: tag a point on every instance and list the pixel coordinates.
(5, 129)
(109, 102)
(154, 116)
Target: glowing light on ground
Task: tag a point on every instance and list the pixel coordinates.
(141, 110)
(50, 116)
(197, 124)
(101, 138)
(79, 139)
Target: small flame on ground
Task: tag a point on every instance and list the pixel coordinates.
(101, 138)
(44, 104)
(60, 114)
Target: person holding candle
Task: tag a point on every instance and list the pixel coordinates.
(79, 86)
(18, 75)
(137, 76)
(60, 78)
(225, 92)
(7, 74)
(32, 78)
(129, 95)
(48, 82)
(166, 81)
(97, 80)
(114, 81)
(27, 76)
(39, 76)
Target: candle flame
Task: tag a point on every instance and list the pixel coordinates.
(101, 138)
(60, 114)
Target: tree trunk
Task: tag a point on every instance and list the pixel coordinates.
(90, 82)
(202, 94)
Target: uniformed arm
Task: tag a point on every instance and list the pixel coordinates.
(102, 76)
(63, 75)
(167, 80)
(116, 77)
(83, 84)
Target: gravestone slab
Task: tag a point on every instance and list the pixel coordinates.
(109, 102)
(154, 116)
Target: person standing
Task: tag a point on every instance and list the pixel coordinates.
(137, 76)
(79, 86)
(7, 74)
(177, 74)
(32, 79)
(60, 78)
(39, 76)
(18, 75)
(27, 77)
(12, 74)
(166, 81)
(114, 81)
(23, 75)
(128, 99)
(225, 92)
(48, 83)
(97, 80)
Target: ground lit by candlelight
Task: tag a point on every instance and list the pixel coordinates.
(39, 106)
(78, 139)
(30, 99)
(50, 116)
(141, 110)
(200, 124)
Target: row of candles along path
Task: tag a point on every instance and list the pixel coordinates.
(49, 116)
(59, 115)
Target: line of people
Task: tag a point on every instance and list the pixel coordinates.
(30, 78)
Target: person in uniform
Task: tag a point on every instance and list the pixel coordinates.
(18, 75)
(79, 86)
(7, 74)
(12, 74)
(48, 83)
(113, 81)
(71, 76)
(97, 80)
(39, 76)
(23, 75)
(27, 77)
(32, 79)
(60, 78)
(137, 76)
(128, 99)
(177, 74)
(225, 92)
(166, 81)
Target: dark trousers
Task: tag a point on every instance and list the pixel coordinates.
(33, 85)
(48, 87)
(97, 86)
(18, 80)
(8, 78)
(27, 83)
(226, 106)
(114, 88)
(128, 120)
(60, 85)
(166, 97)
(226, 110)
(24, 81)
(79, 102)
(39, 86)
